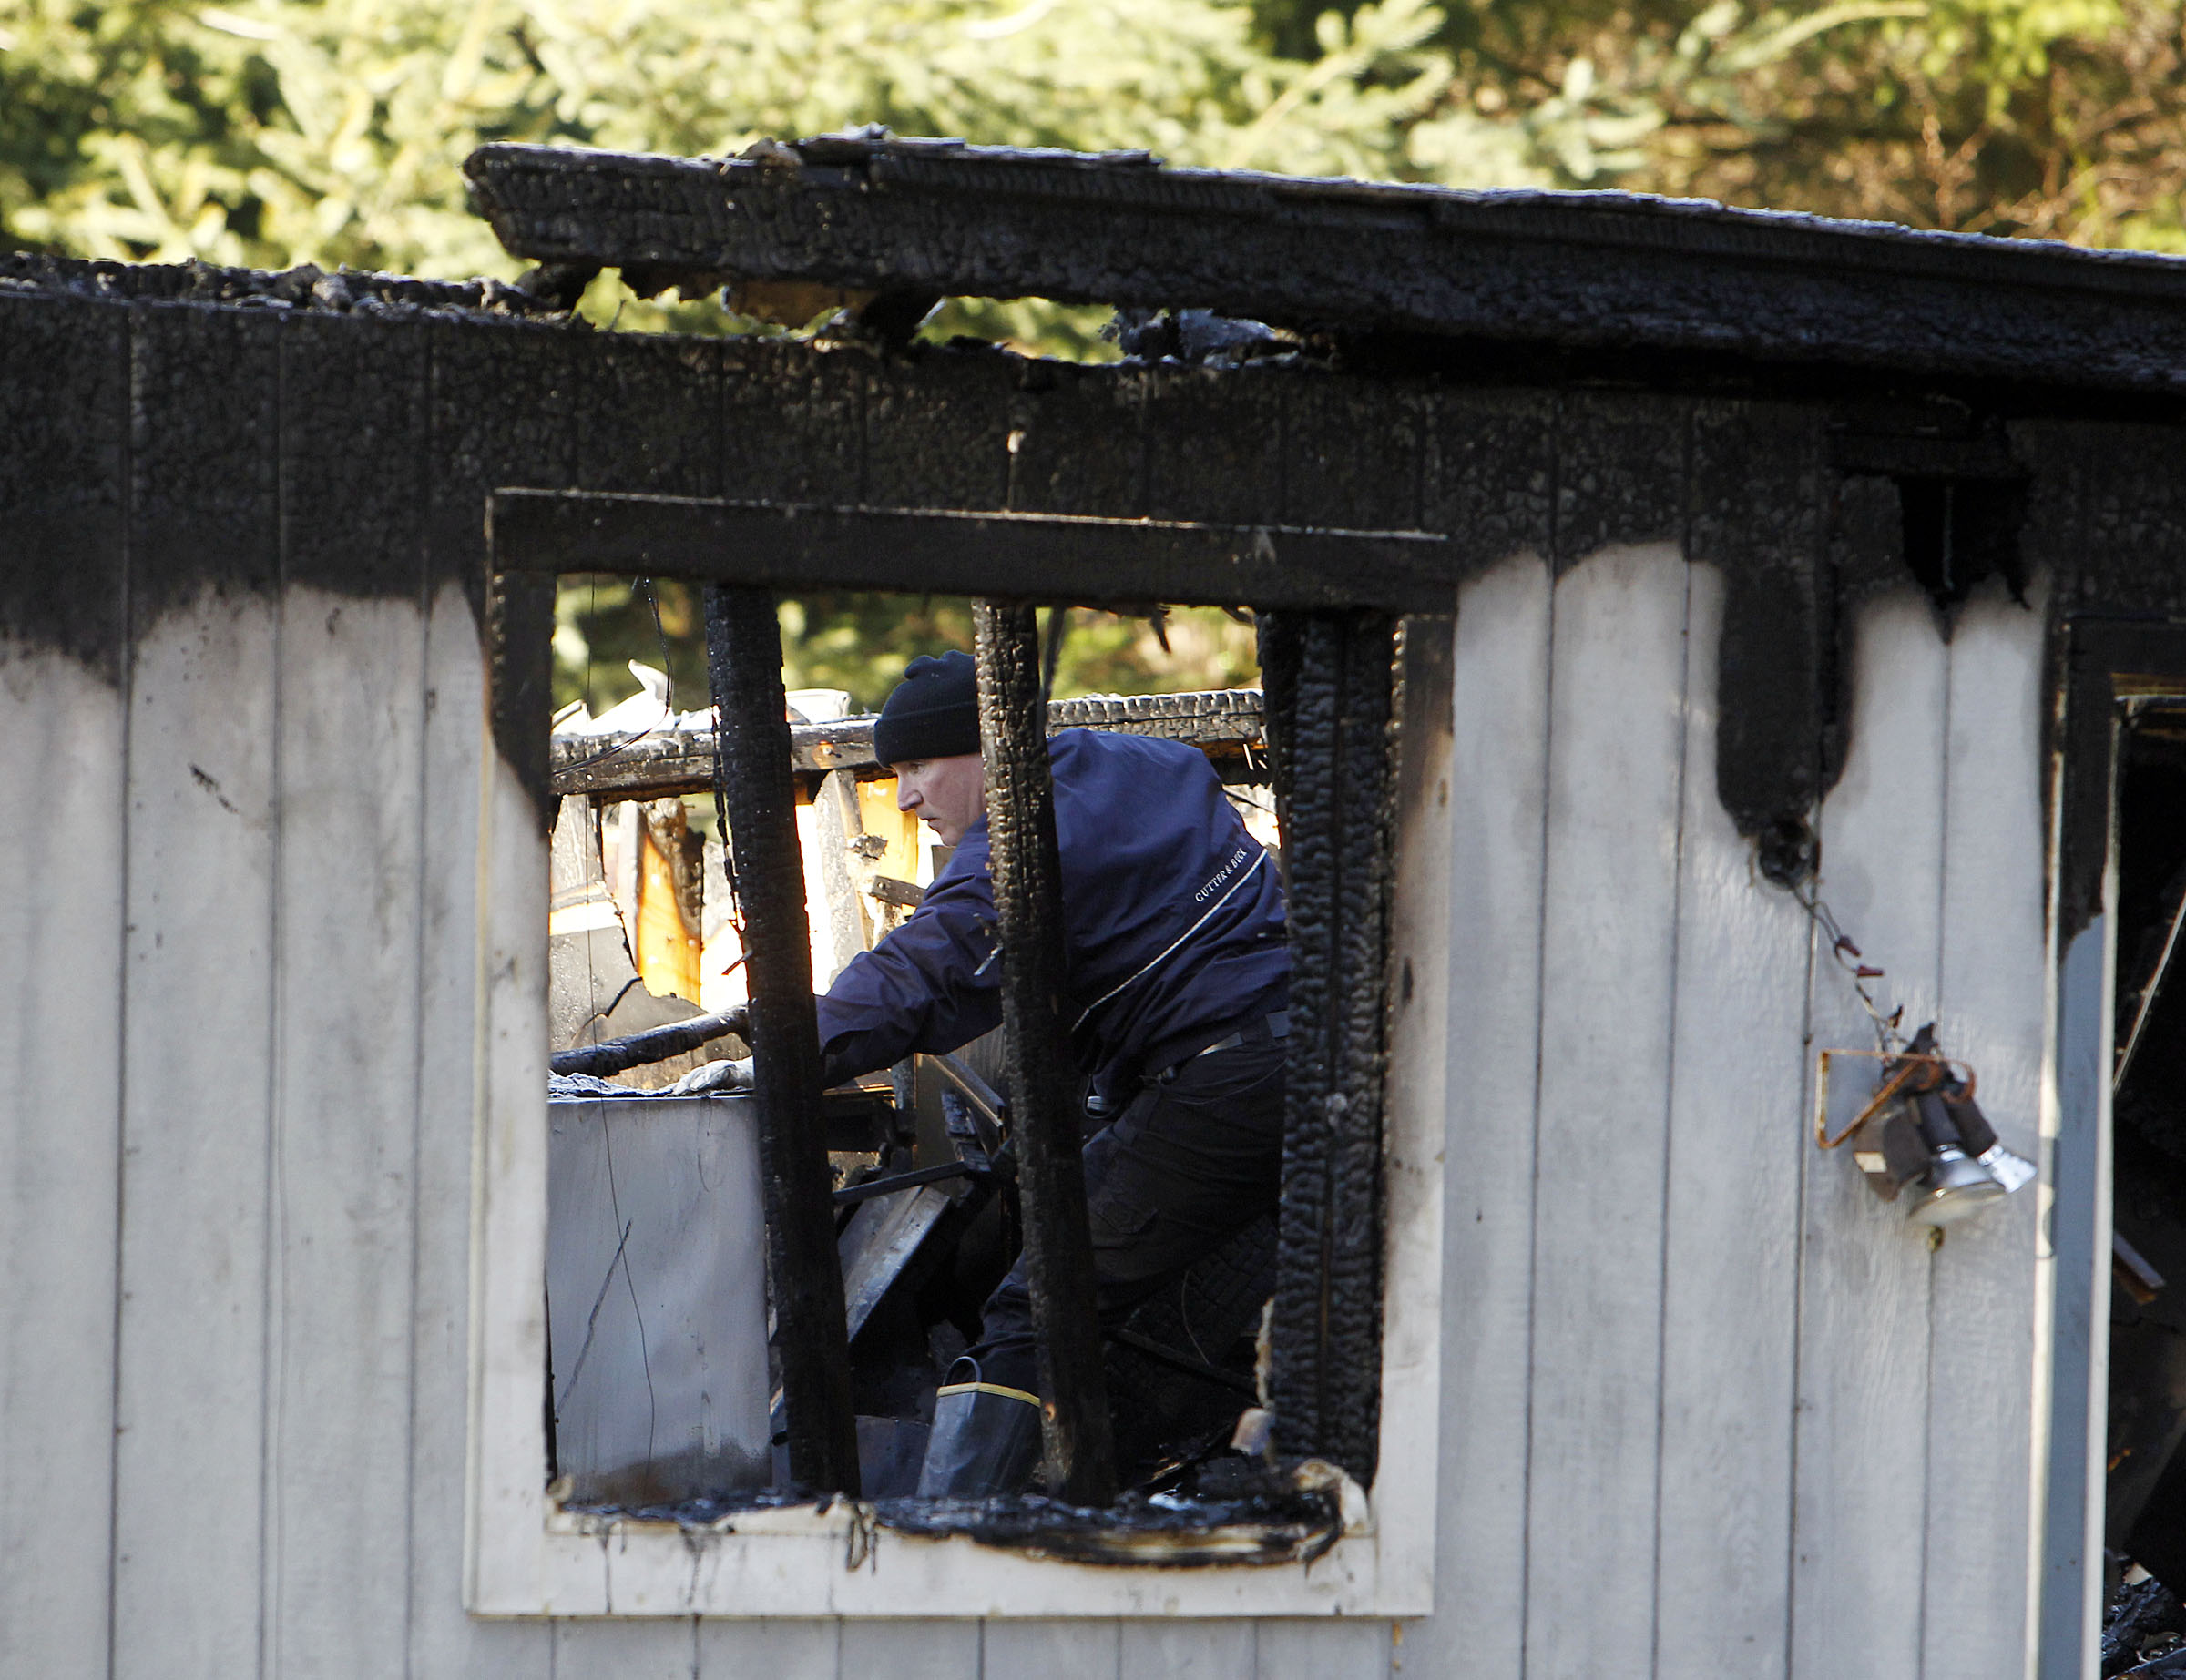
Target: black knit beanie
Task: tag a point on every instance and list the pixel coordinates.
(934, 712)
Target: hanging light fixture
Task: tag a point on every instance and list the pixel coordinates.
(1923, 1135)
(1955, 1186)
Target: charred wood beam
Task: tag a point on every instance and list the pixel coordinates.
(1118, 563)
(1028, 910)
(1601, 272)
(1331, 691)
(520, 622)
(1224, 722)
(758, 803)
(617, 1055)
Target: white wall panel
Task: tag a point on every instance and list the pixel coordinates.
(443, 1640)
(2072, 1444)
(1497, 789)
(346, 1134)
(62, 756)
(1187, 1650)
(654, 1648)
(1980, 1476)
(1708, 1409)
(911, 1650)
(769, 1650)
(1086, 1650)
(1616, 746)
(1737, 1138)
(1861, 1492)
(200, 1005)
(1322, 1649)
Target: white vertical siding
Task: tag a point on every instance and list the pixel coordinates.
(199, 1005)
(1863, 1421)
(443, 1640)
(1705, 1398)
(648, 1650)
(1322, 1649)
(61, 759)
(1082, 1650)
(352, 784)
(2077, 1254)
(1992, 1003)
(769, 1650)
(1609, 943)
(1730, 1316)
(1186, 1650)
(1498, 792)
(912, 1650)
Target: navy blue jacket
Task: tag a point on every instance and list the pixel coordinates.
(1172, 921)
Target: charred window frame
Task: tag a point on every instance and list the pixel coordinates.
(2108, 672)
(1329, 604)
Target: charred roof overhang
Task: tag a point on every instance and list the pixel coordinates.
(1596, 276)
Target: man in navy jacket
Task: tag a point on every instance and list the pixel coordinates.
(1178, 980)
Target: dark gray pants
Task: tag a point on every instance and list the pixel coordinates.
(1196, 1157)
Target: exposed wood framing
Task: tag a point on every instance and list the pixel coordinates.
(743, 649)
(1224, 723)
(1028, 911)
(1005, 556)
(1331, 680)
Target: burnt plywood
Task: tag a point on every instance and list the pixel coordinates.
(648, 416)
(937, 431)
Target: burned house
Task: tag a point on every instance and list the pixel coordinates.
(1707, 639)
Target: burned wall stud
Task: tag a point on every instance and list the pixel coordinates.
(1028, 908)
(757, 797)
(1332, 701)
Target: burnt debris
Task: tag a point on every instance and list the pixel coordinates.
(310, 289)
(1596, 273)
(2143, 1631)
(1272, 1521)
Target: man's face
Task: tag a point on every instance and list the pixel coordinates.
(950, 793)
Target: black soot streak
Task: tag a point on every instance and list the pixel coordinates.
(213, 787)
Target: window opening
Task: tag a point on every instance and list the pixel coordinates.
(910, 1166)
(1317, 767)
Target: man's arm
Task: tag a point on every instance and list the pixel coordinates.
(934, 985)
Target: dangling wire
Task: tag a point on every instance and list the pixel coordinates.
(668, 670)
(1887, 1039)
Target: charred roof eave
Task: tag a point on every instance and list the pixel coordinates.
(1614, 275)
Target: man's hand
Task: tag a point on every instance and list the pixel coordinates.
(714, 1077)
